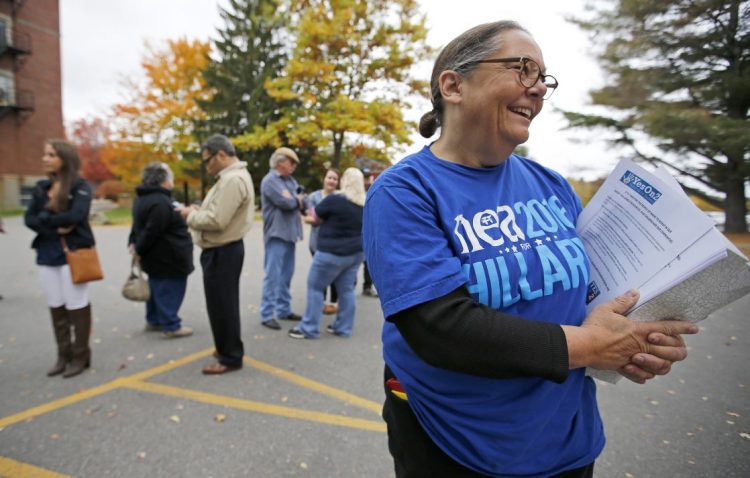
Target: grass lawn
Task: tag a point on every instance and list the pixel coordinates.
(11, 212)
(119, 215)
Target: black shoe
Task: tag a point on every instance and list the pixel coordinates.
(271, 324)
(296, 333)
(332, 331)
(291, 316)
(369, 292)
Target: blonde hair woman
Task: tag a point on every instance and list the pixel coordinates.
(337, 258)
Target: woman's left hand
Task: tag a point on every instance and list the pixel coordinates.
(645, 366)
(65, 230)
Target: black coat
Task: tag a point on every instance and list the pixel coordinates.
(160, 234)
(49, 252)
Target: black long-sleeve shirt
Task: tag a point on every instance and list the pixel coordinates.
(456, 333)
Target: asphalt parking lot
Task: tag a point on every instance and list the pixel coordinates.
(305, 408)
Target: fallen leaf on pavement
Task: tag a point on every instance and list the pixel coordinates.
(220, 417)
(175, 418)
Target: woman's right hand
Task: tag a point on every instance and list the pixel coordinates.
(608, 340)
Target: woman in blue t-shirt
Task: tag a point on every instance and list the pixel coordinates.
(482, 279)
(337, 258)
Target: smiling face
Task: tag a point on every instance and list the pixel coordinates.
(50, 160)
(496, 108)
(331, 181)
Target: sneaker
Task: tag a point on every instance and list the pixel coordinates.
(332, 331)
(272, 324)
(296, 333)
(330, 309)
(291, 316)
(369, 292)
(176, 334)
(152, 328)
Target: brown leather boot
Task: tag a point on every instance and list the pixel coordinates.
(81, 356)
(61, 327)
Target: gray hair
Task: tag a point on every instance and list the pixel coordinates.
(275, 158)
(219, 142)
(154, 174)
(461, 55)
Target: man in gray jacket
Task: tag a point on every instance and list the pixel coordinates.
(282, 202)
(219, 226)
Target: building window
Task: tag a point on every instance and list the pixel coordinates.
(7, 90)
(6, 37)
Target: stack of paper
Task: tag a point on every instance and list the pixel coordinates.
(641, 231)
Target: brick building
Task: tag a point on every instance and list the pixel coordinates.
(30, 92)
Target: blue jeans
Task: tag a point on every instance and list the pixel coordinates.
(165, 301)
(278, 266)
(330, 269)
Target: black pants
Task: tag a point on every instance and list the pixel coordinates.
(414, 453)
(221, 284)
(367, 278)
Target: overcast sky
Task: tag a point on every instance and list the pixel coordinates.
(102, 43)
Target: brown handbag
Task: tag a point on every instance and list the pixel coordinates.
(84, 263)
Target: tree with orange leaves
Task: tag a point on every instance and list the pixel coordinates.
(156, 122)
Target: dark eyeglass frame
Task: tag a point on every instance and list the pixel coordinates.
(524, 77)
(208, 159)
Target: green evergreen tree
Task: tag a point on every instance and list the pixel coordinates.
(678, 72)
(249, 51)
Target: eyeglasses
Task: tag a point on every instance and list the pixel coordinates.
(529, 73)
(208, 159)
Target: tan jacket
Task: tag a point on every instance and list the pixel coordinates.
(226, 213)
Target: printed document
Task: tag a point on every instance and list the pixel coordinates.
(641, 231)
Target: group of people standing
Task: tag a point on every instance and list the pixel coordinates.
(162, 237)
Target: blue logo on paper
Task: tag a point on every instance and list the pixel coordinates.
(634, 182)
(592, 293)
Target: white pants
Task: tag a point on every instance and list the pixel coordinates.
(60, 290)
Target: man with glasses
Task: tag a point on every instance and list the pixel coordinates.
(219, 226)
(282, 202)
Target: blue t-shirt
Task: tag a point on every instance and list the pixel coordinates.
(508, 234)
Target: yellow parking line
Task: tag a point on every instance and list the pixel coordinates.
(62, 402)
(172, 364)
(15, 469)
(327, 418)
(104, 388)
(316, 386)
(136, 381)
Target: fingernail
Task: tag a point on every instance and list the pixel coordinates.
(631, 293)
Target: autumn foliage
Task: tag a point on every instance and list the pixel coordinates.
(348, 79)
(91, 136)
(156, 122)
